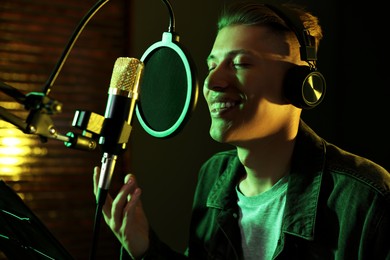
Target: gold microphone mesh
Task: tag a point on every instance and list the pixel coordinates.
(125, 74)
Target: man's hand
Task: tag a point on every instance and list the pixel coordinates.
(125, 215)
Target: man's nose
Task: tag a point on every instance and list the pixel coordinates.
(217, 78)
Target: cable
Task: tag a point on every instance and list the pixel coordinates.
(98, 219)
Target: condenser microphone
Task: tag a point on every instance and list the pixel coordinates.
(122, 97)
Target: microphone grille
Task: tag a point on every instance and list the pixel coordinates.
(125, 73)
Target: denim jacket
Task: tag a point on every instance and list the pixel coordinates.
(337, 207)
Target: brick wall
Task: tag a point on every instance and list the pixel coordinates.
(54, 181)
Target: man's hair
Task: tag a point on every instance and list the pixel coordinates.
(253, 13)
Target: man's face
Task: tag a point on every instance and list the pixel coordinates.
(243, 89)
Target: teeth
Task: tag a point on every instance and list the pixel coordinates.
(221, 105)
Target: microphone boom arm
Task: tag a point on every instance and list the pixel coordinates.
(69, 46)
(38, 121)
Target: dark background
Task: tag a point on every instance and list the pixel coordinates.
(354, 114)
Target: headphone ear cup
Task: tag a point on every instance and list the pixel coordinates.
(304, 87)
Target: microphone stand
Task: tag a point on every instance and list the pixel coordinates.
(41, 106)
(38, 121)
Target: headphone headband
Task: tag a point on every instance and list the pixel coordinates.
(307, 42)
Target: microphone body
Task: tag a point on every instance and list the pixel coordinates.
(116, 127)
(122, 97)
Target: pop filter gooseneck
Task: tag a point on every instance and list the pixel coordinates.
(169, 88)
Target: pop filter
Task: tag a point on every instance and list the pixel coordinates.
(169, 87)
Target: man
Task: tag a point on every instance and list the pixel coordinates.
(283, 192)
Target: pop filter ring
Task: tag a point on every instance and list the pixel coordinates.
(169, 42)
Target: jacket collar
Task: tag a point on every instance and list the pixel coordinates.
(222, 194)
(303, 185)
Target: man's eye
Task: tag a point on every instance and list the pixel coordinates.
(240, 65)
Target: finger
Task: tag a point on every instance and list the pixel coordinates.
(96, 175)
(120, 201)
(133, 200)
(126, 180)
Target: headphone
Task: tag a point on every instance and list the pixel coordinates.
(304, 86)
